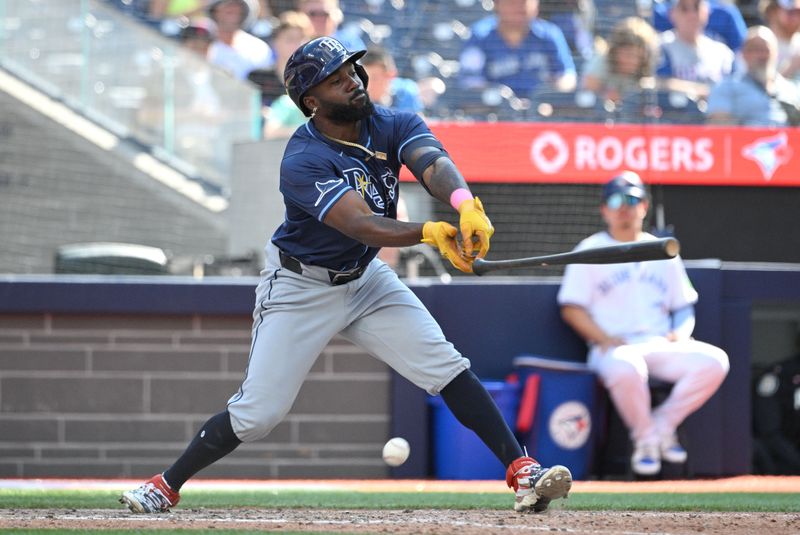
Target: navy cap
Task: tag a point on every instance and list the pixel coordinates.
(627, 183)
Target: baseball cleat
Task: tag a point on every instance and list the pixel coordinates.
(154, 496)
(536, 486)
(672, 451)
(646, 459)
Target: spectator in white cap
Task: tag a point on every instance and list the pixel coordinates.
(236, 50)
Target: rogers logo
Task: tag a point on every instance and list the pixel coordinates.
(551, 153)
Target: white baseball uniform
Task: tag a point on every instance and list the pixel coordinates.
(634, 301)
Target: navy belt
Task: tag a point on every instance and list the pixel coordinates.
(336, 277)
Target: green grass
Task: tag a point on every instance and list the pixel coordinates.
(80, 499)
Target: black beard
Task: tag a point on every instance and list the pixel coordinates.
(349, 113)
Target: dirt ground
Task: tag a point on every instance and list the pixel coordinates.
(426, 522)
(407, 522)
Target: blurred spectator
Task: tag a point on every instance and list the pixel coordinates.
(134, 8)
(519, 50)
(629, 62)
(327, 16)
(575, 19)
(783, 18)
(162, 9)
(760, 96)
(725, 21)
(293, 29)
(270, 85)
(691, 62)
(236, 50)
(283, 116)
(198, 35)
(197, 111)
(385, 88)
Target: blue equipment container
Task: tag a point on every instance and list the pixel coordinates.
(558, 413)
(458, 453)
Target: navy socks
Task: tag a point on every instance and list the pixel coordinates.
(214, 441)
(472, 405)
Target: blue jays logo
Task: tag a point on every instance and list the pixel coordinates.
(769, 153)
(364, 184)
(570, 425)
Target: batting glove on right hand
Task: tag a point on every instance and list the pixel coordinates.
(474, 223)
(442, 235)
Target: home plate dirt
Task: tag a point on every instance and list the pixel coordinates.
(420, 521)
(409, 522)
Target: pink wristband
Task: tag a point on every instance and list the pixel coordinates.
(458, 196)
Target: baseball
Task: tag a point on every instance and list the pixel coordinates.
(396, 451)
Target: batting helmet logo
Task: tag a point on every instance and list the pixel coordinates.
(313, 62)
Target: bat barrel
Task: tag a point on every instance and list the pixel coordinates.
(661, 249)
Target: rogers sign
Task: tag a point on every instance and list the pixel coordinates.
(589, 153)
(550, 153)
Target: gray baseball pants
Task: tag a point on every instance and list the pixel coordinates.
(295, 317)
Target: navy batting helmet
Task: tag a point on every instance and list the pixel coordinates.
(313, 62)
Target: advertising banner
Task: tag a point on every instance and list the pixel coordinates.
(590, 153)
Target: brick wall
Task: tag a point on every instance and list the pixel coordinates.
(96, 395)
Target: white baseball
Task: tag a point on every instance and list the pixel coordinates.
(396, 451)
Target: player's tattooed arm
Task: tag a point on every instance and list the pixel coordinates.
(438, 172)
(352, 217)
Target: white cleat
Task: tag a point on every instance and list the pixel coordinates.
(536, 486)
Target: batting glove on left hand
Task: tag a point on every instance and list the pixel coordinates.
(442, 235)
(474, 223)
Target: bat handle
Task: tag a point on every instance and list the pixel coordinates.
(478, 266)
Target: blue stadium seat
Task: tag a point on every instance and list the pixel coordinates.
(609, 12)
(570, 106)
(661, 107)
(494, 103)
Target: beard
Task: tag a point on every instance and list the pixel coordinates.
(350, 112)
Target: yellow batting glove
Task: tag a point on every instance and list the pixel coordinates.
(475, 224)
(442, 235)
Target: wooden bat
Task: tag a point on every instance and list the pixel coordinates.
(638, 251)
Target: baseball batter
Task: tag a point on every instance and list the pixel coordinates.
(322, 278)
(638, 319)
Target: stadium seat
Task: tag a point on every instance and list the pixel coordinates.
(661, 107)
(493, 103)
(609, 12)
(570, 106)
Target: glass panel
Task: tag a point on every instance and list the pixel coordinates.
(132, 80)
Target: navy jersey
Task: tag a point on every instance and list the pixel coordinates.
(316, 172)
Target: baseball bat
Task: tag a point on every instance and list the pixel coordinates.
(639, 251)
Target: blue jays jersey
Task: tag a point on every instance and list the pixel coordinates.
(316, 172)
(542, 57)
